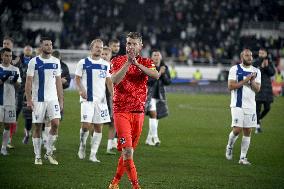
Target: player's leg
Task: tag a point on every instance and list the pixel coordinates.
(38, 116)
(249, 122)
(152, 123)
(127, 152)
(266, 109)
(111, 134)
(258, 113)
(237, 124)
(28, 127)
(5, 139)
(53, 114)
(96, 141)
(87, 112)
(9, 118)
(37, 143)
(123, 129)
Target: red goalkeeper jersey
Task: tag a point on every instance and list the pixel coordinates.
(130, 94)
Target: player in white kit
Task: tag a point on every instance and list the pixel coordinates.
(244, 81)
(9, 80)
(91, 76)
(44, 95)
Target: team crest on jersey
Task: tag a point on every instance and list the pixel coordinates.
(236, 120)
(122, 140)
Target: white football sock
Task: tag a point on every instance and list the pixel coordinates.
(232, 139)
(97, 137)
(49, 143)
(244, 146)
(109, 144)
(45, 134)
(153, 127)
(37, 147)
(6, 135)
(114, 142)
(83, 137)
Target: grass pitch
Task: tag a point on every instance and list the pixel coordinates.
(191, 155)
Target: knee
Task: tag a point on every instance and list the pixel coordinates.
(127, 153)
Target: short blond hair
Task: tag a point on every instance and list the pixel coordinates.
(97, 40)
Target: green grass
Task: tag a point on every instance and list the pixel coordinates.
(191, 154)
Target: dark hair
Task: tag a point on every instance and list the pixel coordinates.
(5, 50)
(155, 50)
(44, 39)
(56, 54)
(113, 41)
(134, 35)
(8, 38)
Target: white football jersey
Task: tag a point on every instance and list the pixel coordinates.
(93, 74)
(243, 97)
(44, 72)
(7, 90)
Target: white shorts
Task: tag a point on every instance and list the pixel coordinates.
(94, 113)
(8, 114)
(153, 104)
(243, 118)
(46, 110)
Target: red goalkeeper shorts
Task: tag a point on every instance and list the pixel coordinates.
(128, 127)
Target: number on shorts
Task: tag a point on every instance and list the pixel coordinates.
(253, 117)
(12, 113)
(56, 108)
(104, 113)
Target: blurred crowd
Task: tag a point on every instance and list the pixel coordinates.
(204, 30)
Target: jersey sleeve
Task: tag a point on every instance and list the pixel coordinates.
(19, 80)
(258, 77)
(31, 68)
(108, 71)
(59, 69)
(79, 68)
(233, 74)
(150, 64)
(114, 65)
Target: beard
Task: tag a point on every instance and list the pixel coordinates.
(47, 52)
(246, 63)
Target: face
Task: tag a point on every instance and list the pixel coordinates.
(7, 57)
(46, 47)
(106, 55)
(115, 47)
(262, 53)
(28, 51)
(97, 48)
(247, 57)
(156, 57)
(133, 46)
(7, 43)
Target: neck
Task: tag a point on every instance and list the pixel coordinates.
(246, 65)
(46, 56)
(5, 64)
(94, 57)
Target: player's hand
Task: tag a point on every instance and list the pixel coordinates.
(131, 55)
(253, 76)
(264, 63)
(63, 80)
(83, 94)
(30, 105)
(61, 106)
(162, 70)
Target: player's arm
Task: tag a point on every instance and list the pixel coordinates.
(118, 76)
(28, 91)
(233, 84)
(148, 71)
(59, 91)
(255, 86)
(81, 89)
(109, 85)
